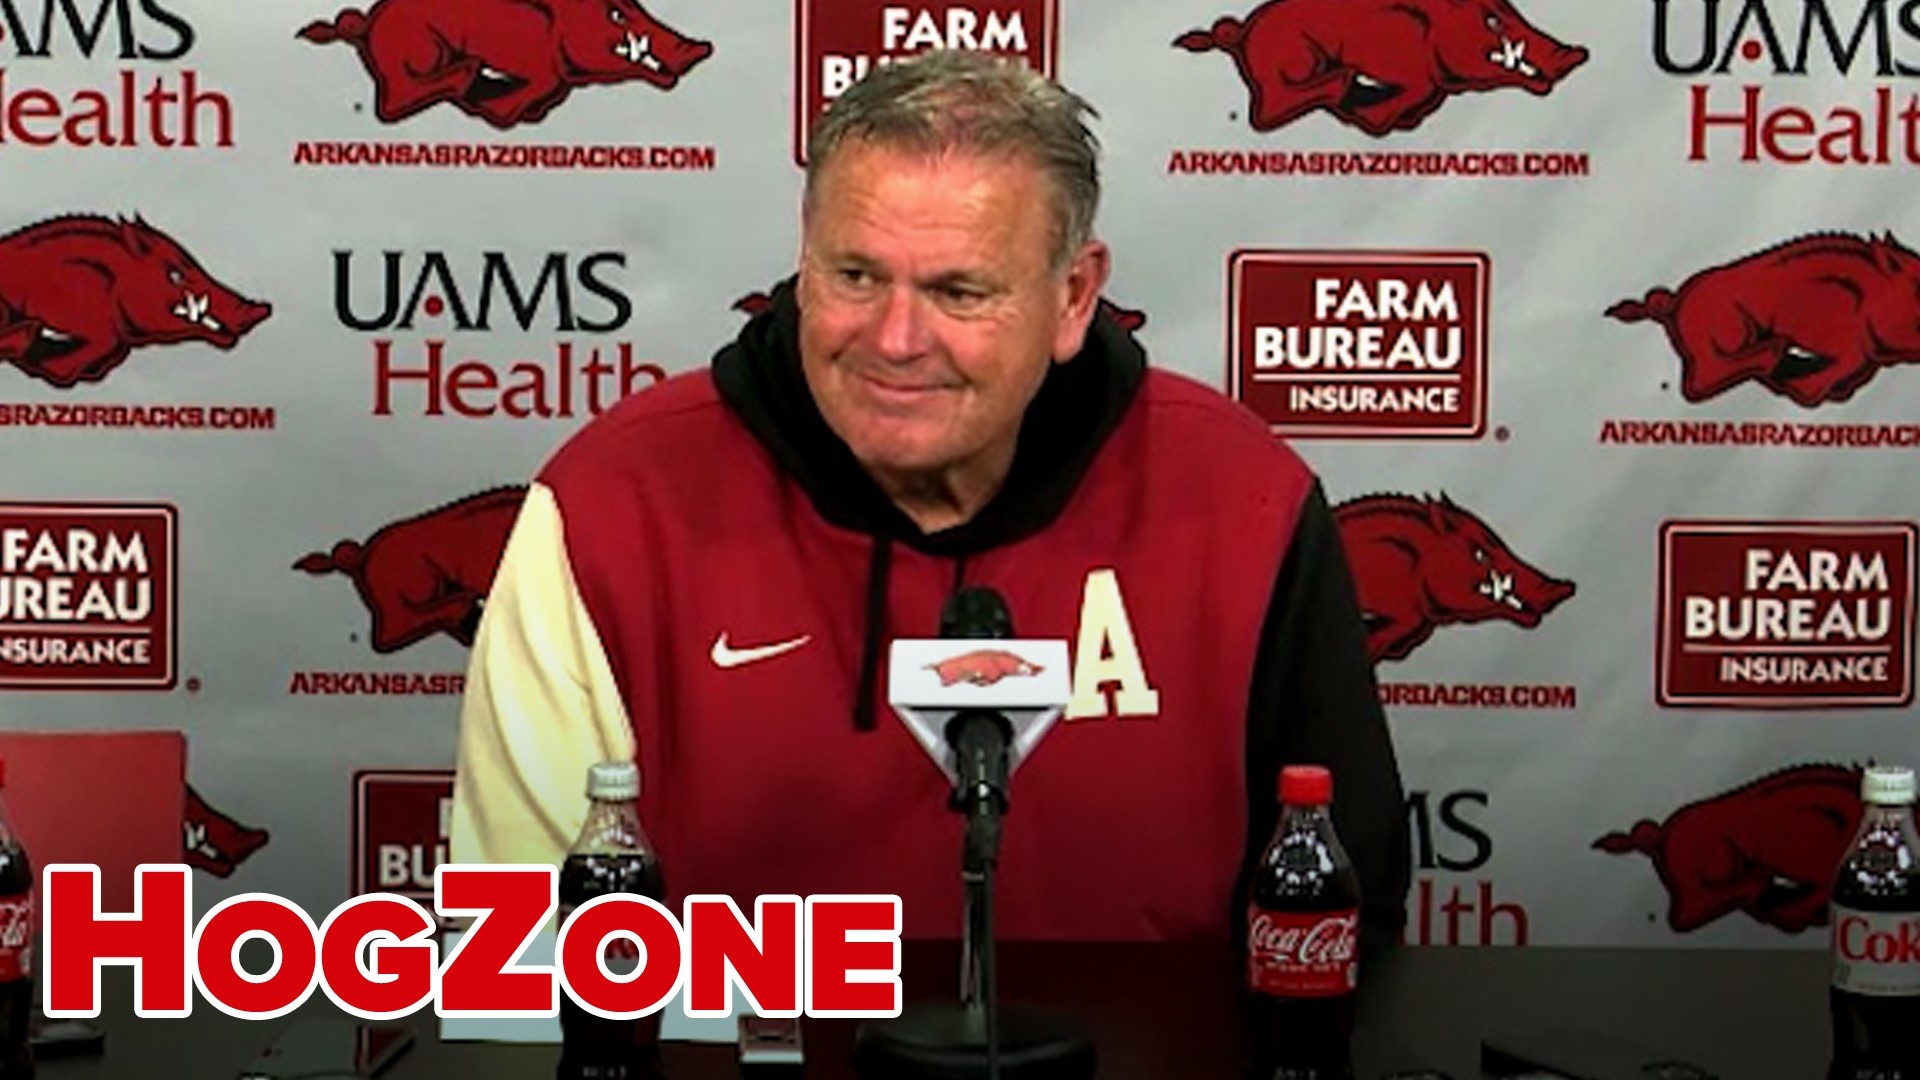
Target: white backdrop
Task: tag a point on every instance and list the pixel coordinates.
(655, 209)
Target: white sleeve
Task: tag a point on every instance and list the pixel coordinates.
(541, 705)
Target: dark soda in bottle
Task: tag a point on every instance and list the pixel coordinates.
(612, 855)
(17, 926)
(1875, 997)
(1303, 921)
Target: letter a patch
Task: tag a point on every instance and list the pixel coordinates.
(1107, 652)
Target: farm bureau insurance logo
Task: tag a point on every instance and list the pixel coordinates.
(87, 596)
(1360, 344)
(1381, 66)
(1786, 614)
(419, 576)
(506, 63)
(1752, 66)
(400, 828)
(436, 318)
(1766, 849)
(841, 40)
(169, 110)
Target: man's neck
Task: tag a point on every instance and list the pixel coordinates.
(943, 498)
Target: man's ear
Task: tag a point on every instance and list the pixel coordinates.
(1080, 290)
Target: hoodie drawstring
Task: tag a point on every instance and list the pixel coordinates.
(879, 570)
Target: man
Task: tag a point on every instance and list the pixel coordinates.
(704, 579)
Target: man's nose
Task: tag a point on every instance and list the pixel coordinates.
(902, 332)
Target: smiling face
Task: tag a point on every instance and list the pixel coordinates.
(929, 311)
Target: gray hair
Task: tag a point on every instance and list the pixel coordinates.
(959, 100)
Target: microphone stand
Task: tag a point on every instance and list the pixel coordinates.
(944, 1041)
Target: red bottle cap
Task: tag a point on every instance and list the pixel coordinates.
(1306, 785)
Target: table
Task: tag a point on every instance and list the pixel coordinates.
(1171, 1011)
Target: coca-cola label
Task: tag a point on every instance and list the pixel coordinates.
(16, 937)
(1876, 953)
(1302, 953)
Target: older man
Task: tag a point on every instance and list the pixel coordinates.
(703, 579)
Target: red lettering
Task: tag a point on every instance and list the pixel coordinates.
(849, 935)
(80, 938)
(400, 976)
(582, 947)
(764, 958)
(216, 956)
(511, 904)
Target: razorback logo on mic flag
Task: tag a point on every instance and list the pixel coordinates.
(508, 62)
(930, 680)
(1767, 849)
(427, 574)
(79, 293)
(1421, 564)
(1812, 319)
(1380, 65)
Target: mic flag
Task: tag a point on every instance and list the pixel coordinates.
(931, 679)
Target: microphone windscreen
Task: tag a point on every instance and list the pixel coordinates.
(975, 612)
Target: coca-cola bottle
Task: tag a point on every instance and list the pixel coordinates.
(1303, 920)
(1875, 997)
(17, 925)
(612, 855)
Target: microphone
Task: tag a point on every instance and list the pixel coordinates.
(978, 709)
(978, 737)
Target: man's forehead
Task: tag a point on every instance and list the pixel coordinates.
(958, 159)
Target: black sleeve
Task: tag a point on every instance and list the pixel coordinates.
(1314, 700)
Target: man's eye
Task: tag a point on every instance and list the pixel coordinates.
(850, 276)
(961, 297)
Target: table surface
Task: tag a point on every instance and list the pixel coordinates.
(1160, 1011)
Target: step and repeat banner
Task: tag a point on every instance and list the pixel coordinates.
(1597, 320)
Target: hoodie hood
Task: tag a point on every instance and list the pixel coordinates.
(1078, 406)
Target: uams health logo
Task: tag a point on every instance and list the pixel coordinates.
(1360, 344)
(1748, 64)
(427, 574)
(1453, 900)
(1766, 849)
(79, 293)
(1380, 65)
(1786, 614)
(87, 596)
(140, 105)
(434, 316)
(507, 62)
(1420, 564)
(841, 40)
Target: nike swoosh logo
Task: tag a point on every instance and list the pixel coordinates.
(725, 656)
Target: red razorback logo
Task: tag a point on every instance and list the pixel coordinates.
(1812, 319)
(983, 667)
(79, 293)
(1130, 319)
(1380, 65)
(1768, 848)
(505, 61)
(1420, 564)
(215, 842)
(429, 573)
